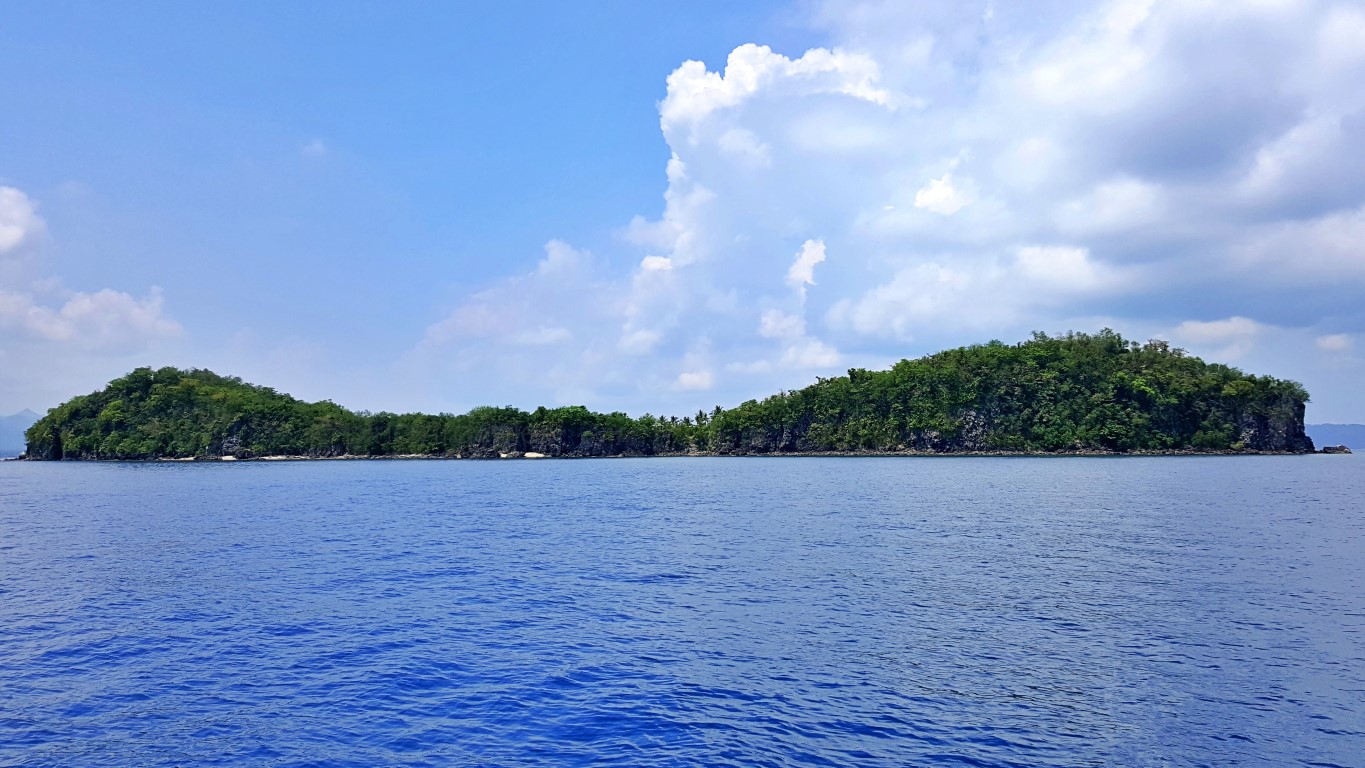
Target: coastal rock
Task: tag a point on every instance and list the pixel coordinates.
(1275, 427)
(1335, 449)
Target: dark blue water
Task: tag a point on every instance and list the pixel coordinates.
(679, 612)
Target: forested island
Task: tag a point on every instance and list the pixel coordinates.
(1074, 393)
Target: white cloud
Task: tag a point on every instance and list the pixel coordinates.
(695, 380)
(745, 146)
(561, 259)
(1062, 268)
(1315, 251)
(656, 264)
(1315, 161)
(980, 294)
(1340, 43)
(810, 353)
(914, 299)
(67, 334)
(776, 324)
(19, 220)
(694, 93)
(1227, 339)
(1336, 342)
(941, 197)
(639, 341)
(104, 318)
(981, 171)
(750, 367)
(802, 271)
(1114, 205)
(1218, 330)
(526, 311)
(685, 202)
(1102, 66)
(314, 148)
(541, 336)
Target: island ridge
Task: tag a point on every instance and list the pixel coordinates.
(1073, 393)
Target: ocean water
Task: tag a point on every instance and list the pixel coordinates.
(681, 612)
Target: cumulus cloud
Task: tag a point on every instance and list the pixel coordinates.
(549, 335)
(656, 264)
(1229, 339)
(1063, 268)
(745, 147)
(776, 324)
(695, 380)
(940, 196)
(48, 319)
(694, 92)
(76, 338)
(810, 353)
(1310, 251)
(639, 341)
(19, 220)
(1114, 205)
(102, 319)
(978, 294)
(980, 171)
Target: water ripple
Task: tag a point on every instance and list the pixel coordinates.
(767, 612)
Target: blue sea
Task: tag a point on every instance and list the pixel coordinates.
(685, 612)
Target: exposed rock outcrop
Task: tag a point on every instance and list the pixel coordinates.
(1278, 427)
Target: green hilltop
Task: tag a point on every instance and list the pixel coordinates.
(1071, 393)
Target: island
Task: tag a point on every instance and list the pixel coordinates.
(1065, 394)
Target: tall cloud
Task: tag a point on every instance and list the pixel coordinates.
(978, 170)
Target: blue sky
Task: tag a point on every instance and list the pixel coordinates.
(663, 208)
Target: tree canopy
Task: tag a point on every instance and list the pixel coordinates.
(1075, 392)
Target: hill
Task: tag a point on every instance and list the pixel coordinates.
(1072, 393)
(12, 430)
(1349, 435)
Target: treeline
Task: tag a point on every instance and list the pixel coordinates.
(173, 413)
(1077, 392)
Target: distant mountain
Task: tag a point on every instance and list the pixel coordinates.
(12, 432)
(1349, 435)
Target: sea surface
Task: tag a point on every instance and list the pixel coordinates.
(1173, 611)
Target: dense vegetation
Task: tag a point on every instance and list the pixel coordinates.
(1078, 392)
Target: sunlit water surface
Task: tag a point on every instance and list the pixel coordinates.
(679, 612)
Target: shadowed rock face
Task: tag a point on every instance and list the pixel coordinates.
(1280, 428)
